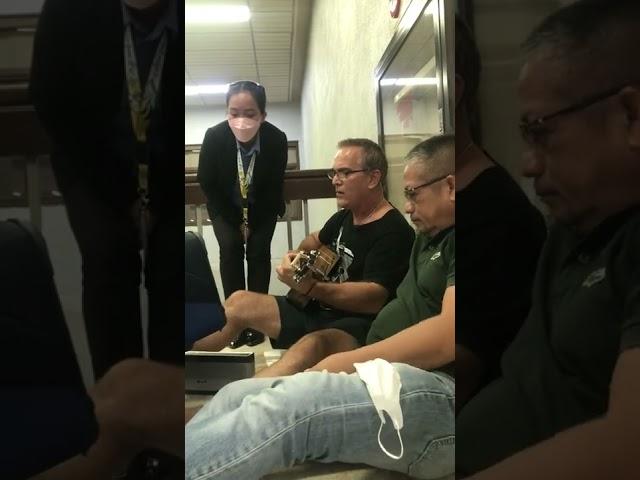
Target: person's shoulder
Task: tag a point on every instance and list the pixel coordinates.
(496, 181)
(340, 216)
(629, 234)
(448, 244)
(91, 18)
(270, 132)
(221, 128)
(495, 196)
(393, 219)
(335, 221)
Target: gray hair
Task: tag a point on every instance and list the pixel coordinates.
(373, 158)
(436, 155)
(600, 33)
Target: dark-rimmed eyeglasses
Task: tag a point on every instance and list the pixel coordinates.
(534, 132)
(411, 192)
(343, 173)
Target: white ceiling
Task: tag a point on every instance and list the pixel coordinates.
(269, 49)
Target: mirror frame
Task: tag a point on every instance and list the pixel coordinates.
(444, 50)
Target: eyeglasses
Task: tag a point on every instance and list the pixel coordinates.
(411, 192)
(536, 132)
(343, 173)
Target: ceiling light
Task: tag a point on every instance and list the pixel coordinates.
(216, 14)
(401, 82)
(190, 90)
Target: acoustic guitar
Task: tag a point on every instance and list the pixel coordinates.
(319, 264)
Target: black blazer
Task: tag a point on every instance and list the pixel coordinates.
(77, 84)
(218, 174)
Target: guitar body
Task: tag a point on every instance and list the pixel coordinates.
(318, 264)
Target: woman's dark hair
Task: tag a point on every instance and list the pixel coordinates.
(254, 89)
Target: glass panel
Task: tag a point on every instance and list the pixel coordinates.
(411, 95)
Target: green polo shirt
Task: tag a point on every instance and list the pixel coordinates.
(419, 295)
(556, 373)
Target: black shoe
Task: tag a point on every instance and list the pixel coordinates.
(253, 337)
(240, 341)
(155, 465)
(248, 337)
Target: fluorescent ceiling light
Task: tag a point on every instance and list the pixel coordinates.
(190, 90)
(216, 14)
(401, 82)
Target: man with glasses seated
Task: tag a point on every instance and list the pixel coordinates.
(256, 426)
(566, 404)
(373, 241)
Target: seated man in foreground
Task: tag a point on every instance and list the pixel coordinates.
(256, 426)
(567, 403)
(373, 241)
(493, 215)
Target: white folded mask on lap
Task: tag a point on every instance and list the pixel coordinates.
(383, 384)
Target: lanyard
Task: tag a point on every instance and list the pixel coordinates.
(245, 182)
(141, 103)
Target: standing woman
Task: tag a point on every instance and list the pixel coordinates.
(241, 171)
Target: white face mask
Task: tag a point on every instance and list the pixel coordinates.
(244, 129)
(383, 384)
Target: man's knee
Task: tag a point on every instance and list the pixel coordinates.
(323, 343)
(238, 306)
(313, 345)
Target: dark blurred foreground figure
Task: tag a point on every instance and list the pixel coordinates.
(49, 421)
(499, 242)
(107, 83)
(568, 403)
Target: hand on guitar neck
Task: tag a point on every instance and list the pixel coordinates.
(302, 270)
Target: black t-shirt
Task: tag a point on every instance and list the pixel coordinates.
(500, 235)
(376, 252)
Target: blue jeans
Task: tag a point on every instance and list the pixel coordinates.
(257, 426)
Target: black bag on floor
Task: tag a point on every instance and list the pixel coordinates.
(45, 412)
(203, 312)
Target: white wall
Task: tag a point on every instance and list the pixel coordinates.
(346, 42)
(500, 30)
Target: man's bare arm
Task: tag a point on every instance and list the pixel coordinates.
(428, 345)
(138, 404)
(358, 297)
(310, 242)
(602, 448)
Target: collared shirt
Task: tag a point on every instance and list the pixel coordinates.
(145, 45)
(247, 154)
(246, 160)
(145, 42)
(558, 370)
(168, 20)
(432, 269)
